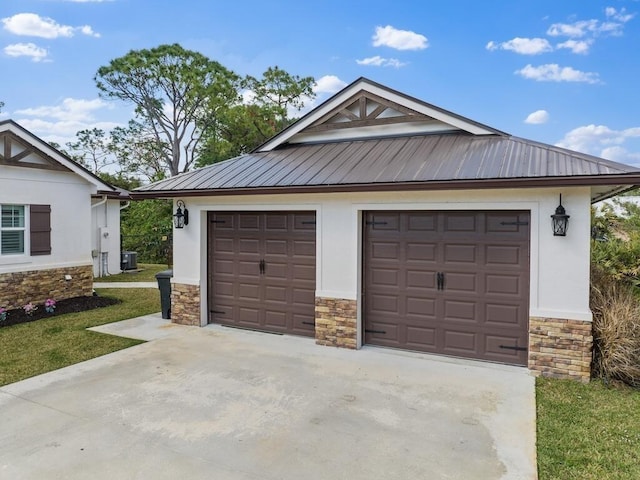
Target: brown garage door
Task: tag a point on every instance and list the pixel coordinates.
(262, 270)
(454, 283)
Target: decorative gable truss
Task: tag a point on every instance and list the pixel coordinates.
(369, 110)
(15, 152)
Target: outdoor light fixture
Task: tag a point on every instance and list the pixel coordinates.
(181, 217)
(560, 220)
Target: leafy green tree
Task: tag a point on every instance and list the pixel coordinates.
(267, 108)
(138, 151)
(176, 93)
(146, 228)
(91, 149)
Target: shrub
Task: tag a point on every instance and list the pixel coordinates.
(616, 328)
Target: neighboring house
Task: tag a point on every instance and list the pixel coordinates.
(381, 219)
(60, 223)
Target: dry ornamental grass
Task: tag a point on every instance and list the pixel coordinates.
(616, 329)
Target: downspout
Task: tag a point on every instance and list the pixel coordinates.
(101, 202)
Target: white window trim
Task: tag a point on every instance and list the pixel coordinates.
(6, 258)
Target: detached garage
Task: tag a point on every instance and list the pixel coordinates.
(380, 219)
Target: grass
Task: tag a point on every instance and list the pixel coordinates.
(37, 347)
(587, 432)
(147, 273)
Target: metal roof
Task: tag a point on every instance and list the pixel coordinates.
(440, 161)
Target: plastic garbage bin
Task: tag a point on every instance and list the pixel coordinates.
(164, 284)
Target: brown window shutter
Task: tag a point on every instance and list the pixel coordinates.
(40, 230)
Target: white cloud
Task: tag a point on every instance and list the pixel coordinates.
(538, 117)
(552, 72)
(602, 141)
(399, 39)
(523, 46)
(70, 110)
(573, 30)
(33, 25)
(619, 15)
(87, 30)
(36, 53)
(576, 46)
(581, 28)
(379, 61)
(328, 84)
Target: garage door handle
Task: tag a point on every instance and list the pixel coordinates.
(440, 281)
(261, 266)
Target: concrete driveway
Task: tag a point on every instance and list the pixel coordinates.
(220, 403)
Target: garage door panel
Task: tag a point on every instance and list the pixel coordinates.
(462, 282)
(502, 284)
(223, 267)
(460, 342)
(384, 332)
(262, 270)
(385, 250)
(505, 349)
(460, 253)
(460, 222)
(460, 310)
(484, 260)
(385, 303)
(422, 222)
(276, 247)
(275, 319)
(384, 277)
(303, 296)
(422, 252)
(304, 222)
(420, 306)
(383, 221)
(502, 255)
(249, 268)
(502, 315)
(305, 273)
(305, 248)
(225, 245)
(421, 337)
(276, 222)
(425, 279)
(248, 223)
(249, 316)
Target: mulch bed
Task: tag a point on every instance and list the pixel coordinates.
(70, 305)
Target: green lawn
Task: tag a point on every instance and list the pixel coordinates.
(37, 347)
(146, 272)
(587, 432)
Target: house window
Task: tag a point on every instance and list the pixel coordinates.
(12, 228)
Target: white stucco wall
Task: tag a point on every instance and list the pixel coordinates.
(559, 266)
(105, 233)
(70, 200)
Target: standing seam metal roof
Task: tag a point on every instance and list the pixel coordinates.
(419, 158)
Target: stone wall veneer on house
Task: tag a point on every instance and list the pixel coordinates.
(185, 304)
(35, 286)
(336, 322)
(560, 348)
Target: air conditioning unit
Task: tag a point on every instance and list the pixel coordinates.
(129, 260)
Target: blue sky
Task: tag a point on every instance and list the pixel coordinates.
(560, 72)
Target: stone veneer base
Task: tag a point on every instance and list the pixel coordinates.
(185, 304)
(560, 348)
(35, 286)
(336, 322)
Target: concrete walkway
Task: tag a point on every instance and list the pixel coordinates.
(218, 402)
(125, 284)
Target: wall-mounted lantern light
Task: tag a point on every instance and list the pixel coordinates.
(181, 217)
(560, 220)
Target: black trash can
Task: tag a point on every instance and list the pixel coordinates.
(164, 284)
